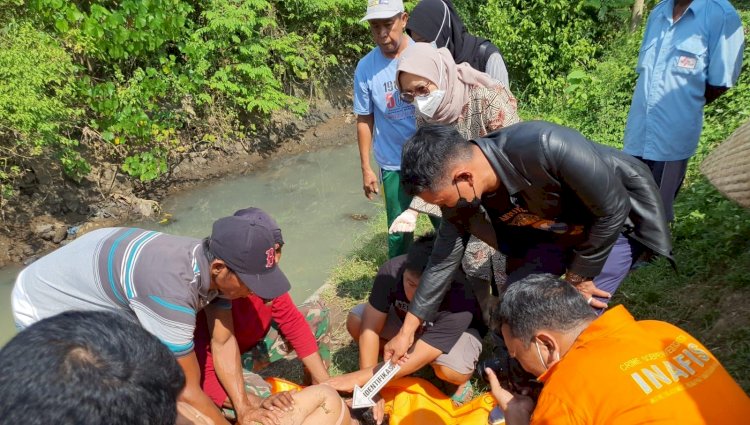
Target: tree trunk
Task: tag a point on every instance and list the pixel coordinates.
(637, 16)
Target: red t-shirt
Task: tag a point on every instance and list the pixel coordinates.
(252, 320)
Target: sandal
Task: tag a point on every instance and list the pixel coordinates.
(466, 395)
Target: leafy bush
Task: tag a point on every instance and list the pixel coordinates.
(541, 40)
(595, 101)
(115, 31)
(230, 51)
(343, 37)
(36, 87)
(126, 73)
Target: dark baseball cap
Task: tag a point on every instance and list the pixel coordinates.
(246, 243)
(263, 217)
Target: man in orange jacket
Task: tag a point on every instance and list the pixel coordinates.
(609, 369)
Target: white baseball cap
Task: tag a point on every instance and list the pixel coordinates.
(382, 9)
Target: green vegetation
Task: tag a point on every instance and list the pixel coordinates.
(34, 115)
(141, 82)
(543, 39)
(585, 80)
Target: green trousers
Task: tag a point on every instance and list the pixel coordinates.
(396, 202)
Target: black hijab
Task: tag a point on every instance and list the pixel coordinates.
(429, 16)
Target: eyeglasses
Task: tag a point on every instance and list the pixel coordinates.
(422, 90)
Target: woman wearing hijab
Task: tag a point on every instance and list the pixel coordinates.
(446, 93)
(436, 21)
(475, 104)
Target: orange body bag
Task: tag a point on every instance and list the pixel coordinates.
(415, 401)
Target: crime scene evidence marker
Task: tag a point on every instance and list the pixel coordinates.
(363, 397)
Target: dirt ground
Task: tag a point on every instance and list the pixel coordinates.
(51, 210)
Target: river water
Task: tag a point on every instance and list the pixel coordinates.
(313, 196)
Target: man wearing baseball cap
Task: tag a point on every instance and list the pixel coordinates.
(267, 325)
(384, 121)
(162, 281)
(248, 247)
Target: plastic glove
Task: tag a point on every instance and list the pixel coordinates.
(404, 223)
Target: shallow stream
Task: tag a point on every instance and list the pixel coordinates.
(315, 197)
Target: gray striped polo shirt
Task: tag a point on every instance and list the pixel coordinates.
(160, 280)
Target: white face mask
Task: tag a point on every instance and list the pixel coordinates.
(427, 105)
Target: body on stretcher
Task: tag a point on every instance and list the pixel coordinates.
(415, 401)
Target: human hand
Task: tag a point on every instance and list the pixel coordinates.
(589, 291)
(369, 183)
(259, 415)
(281, 401)
(344, 383)
(406, 222)
(395, 350)
(513, 405)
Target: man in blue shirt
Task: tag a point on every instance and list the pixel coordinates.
(690, 55)
(384, 121)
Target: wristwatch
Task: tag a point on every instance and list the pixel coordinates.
(575, 278)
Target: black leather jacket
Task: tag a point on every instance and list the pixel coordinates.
(556, 174)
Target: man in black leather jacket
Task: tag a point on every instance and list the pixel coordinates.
(552, 201)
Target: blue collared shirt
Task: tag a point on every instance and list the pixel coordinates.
(676, 61)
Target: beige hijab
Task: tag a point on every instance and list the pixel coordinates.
(425, 61)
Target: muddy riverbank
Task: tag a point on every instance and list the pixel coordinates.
(312, 188)
(52, 210)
